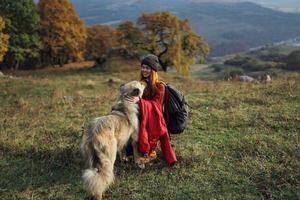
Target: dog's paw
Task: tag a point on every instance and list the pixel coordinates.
(127, 158)
(141, 165)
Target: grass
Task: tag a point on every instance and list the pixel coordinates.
(241, 142)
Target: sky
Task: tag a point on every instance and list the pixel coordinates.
(283, 5)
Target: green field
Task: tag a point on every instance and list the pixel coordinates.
(242, 140)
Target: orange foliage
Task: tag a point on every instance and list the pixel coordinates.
(63, 34)
(3, 39)
(129, 36)
(172, 40)
(100, 38)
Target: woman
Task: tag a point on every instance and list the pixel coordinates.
(152, 125)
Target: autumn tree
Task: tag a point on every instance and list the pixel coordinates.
(100, 38)
(3, 40)
(191, 45)
(172, 40)
(129, 36)
(22, 25)
(63, 34)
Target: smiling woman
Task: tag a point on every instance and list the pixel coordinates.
(152, 125)
(145, 70)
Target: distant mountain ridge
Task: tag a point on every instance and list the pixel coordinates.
(227, 27)
(281, 5)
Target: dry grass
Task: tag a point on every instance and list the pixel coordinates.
(242, 140)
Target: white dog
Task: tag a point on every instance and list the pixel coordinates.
(107, 135)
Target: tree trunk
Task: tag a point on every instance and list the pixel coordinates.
(163, 64)
(8, 62)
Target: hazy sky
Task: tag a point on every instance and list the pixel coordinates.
(259, 1)
(284, 5)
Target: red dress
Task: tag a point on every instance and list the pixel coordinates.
(153, 127)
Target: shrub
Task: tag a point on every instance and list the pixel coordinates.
(233, 72)
(217, 67)
(273, 57)
(293, 61)
(237, 61)
(258, 65)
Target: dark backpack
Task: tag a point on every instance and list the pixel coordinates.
(175, 110)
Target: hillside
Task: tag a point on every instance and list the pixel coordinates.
(227, 27)
(282, 5)
(241, 142)
(271, 60)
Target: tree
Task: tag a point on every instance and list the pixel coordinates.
(22, 25)
(172, 40)
(185, 52)
(100, 38)
(63, 34)
(3, 40)
(129, 36)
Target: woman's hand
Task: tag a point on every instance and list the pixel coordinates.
(132, 99)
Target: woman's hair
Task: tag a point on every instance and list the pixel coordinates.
(152, 85)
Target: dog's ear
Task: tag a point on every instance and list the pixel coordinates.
(143, 83)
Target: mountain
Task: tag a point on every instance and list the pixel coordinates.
(228, 27)
(282, 5)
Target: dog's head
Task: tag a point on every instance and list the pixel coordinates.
(133, 88)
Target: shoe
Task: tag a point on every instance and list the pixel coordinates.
(152, 155)
(147, 158)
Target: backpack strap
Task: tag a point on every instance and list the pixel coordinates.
(165, 99)
(163, 83)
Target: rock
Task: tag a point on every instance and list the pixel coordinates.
(268, 78)
(246, 79)
(114, 80)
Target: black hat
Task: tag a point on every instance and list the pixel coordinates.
(151, 61)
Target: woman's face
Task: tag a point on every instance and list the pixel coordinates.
(146, 71)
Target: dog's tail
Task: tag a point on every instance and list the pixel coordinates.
(100, 174)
